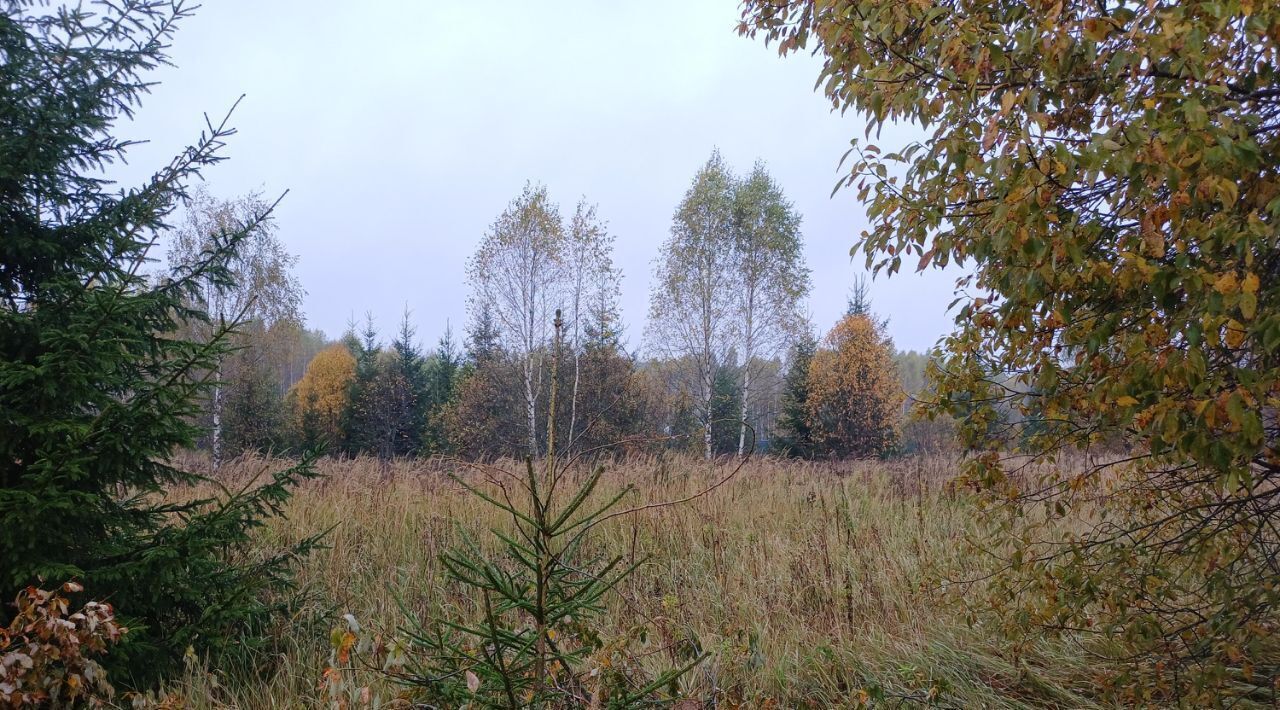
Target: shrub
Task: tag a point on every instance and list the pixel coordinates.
(45, 652)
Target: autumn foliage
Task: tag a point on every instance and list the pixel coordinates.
(46, 652)
(1110, 174)
(321, 396)
(854, 392)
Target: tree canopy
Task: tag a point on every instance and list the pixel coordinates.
(853, 392)
(1108, 173)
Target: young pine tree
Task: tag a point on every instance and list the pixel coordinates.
(536, 643)
(96, 389)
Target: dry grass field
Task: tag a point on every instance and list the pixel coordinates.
(808, 584)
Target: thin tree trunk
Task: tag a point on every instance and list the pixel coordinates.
(215, 445)
(573, 402)
(748, 346)
(746, 391)
(215, 403)
(709, 381)
(576, 345)
(530, 391)
(530, 405)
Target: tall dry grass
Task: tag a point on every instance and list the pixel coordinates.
(810, 584)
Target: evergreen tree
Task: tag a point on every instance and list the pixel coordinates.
(859, 303)
(414, 378)
(443, 371)
(485, 417)
(726, 409)
(793, 437)
(484, 341)
(96, 390)
(383, 416)
(253, 410)
(359, 430)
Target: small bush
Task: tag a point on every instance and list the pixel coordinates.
(45, 652)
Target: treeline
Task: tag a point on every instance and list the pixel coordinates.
(732, 364)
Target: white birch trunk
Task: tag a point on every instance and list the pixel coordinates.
(748, 352)
(746, 389)
(215, 444)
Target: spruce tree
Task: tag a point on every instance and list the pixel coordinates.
(793, 436)
(359, 429)
(726, 406)
(97, 391)
(443, 372)
(253, 410)
(413, 377)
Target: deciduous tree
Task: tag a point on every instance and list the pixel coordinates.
(263, 294)
(1110, 172)
(321, 397)
(591, 287)
(516, 275)
(691, 307)
(854, 395)
(769, 277)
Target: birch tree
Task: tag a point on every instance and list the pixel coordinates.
(769, 276)
(516, 274)
(590, 291)
(692, 302)
(263, 293)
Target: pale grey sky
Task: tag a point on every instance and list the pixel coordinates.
(403, 128)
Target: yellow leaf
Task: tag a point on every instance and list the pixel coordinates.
(1235, 334)
(1126, 401)
(1007, 101)
(1250, 283)
(1226, 283)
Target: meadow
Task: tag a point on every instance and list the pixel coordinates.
(806, 584)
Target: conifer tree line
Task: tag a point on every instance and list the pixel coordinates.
(729, 362)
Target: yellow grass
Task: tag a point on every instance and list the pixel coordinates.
(808, 583)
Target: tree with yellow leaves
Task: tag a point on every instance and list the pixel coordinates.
(855, 395)
(321, 396)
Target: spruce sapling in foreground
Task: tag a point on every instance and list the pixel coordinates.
(97, 390)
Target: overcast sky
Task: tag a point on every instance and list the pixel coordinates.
(402, 129)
